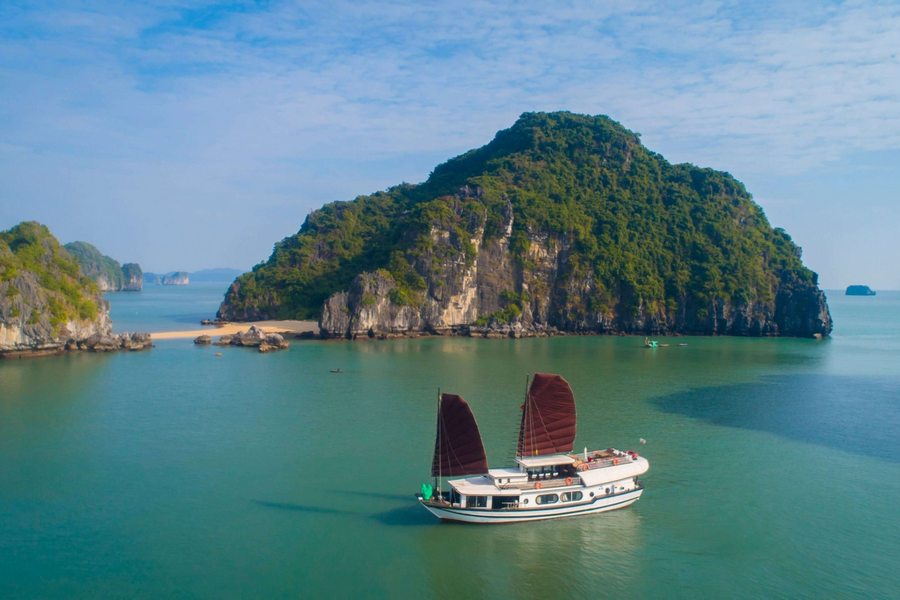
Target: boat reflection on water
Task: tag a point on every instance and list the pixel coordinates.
(586, 557)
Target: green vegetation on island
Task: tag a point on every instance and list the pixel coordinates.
(859, 290)
(106, 271)
(47, 304)
(40, 282)
(583, 227)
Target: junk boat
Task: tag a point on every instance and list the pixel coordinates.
(549, 481)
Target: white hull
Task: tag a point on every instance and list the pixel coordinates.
(517, 515)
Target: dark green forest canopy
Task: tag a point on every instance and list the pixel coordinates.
(94, 263)
(646, 232)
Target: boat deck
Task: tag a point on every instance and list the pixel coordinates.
(598, 459)
(604, 458)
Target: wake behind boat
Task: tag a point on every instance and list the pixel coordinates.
(548, 480)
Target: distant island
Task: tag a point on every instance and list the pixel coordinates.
(176, 278)
(860, 290)
(107, 272)
(563, 223)
(217, 275)
(171, 278)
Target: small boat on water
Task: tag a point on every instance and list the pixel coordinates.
(548, 481)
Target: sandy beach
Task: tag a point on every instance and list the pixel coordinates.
(292, 327)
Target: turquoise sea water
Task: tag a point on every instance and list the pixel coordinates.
(165, 307)
(775, 466)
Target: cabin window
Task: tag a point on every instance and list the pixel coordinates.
(571, 496)
(539, 474)
(505, 501)
(476, 501)
(454, 497)
(547, 499)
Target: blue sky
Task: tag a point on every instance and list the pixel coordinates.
(184, 135)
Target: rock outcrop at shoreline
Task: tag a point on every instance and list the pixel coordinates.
(47, 305)
(562, 224)
(111, 343)
(254, 337)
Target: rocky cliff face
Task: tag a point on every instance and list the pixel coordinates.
(27, 325)
(366, 309)
(563, 223)
(498, 295)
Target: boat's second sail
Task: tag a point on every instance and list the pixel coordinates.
(458, 449)
(548, 419)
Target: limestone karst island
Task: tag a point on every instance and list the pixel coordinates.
(562, 223)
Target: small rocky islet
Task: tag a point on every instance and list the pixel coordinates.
(859, 290)
(564, 223)
(254, 337)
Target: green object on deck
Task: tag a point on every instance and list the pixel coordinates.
(427, 491)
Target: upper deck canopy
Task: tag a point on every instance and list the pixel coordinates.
(549, 460)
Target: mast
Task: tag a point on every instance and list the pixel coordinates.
(436, 479)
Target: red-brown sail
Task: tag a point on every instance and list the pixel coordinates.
(457, 449)
(548, 421)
